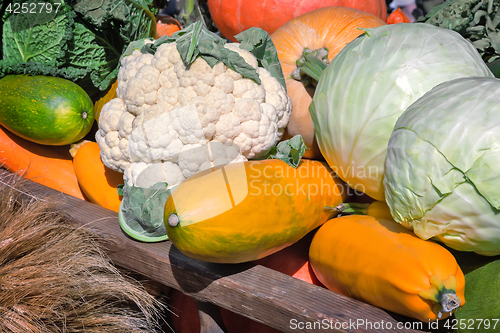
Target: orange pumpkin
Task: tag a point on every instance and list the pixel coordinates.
(325, 28)
(166, 26)
(234, 16)
(398, 16)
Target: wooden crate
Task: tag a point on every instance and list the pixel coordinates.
(259, 293)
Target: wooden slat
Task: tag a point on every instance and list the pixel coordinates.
(254, 291)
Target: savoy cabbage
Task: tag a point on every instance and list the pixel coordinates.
(79, 40)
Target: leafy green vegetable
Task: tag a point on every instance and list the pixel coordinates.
(371, 82)
(260, 44)
(197, 41)
(441, 171)
(81, 42)
(141, 211)
(476, 20)
(482, 304)
(289, 151)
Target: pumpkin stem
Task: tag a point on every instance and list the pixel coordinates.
(350, 208)
(310, 66)
(443, 293)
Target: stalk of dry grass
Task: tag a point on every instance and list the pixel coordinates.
(55, 277)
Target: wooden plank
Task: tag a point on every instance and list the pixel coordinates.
(254, 291)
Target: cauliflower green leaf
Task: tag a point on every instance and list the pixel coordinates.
(289, 151)
(141, 211)
(197, 41)
(260, 44)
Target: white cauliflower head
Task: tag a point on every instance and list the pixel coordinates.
(169, 122)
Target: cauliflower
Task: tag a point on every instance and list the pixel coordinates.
(170, 121)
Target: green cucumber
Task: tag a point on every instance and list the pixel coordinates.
(45, 109)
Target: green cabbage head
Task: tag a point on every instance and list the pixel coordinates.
(369, 84)
(442, 172)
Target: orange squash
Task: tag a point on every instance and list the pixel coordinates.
(98, 182)
(380, 262)
(109, 95)
(398, 16)
(47, 165)
(379, 209)
(269, 202)
(326, 28)
(234, 16)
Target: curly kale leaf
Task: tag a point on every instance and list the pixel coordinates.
(136, 17)
(39, 37)
(81, 42)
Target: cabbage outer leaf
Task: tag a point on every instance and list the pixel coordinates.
(442, 176)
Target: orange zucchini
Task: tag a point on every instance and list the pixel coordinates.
(98, 182)
(245, 211)
(47, 165)
(382, 263)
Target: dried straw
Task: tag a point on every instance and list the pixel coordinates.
(55, 277)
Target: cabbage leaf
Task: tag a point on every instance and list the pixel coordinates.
(81, 42)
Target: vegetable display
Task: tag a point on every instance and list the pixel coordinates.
(232, 17)
(388, 266)
(369, 84)
(244, 211)
(320, 139)
(321, 34)
(54, 111)
(451, 194)
(180, 93)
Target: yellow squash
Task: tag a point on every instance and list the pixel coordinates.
(98, 182)
(248, 210)
(380, 262)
